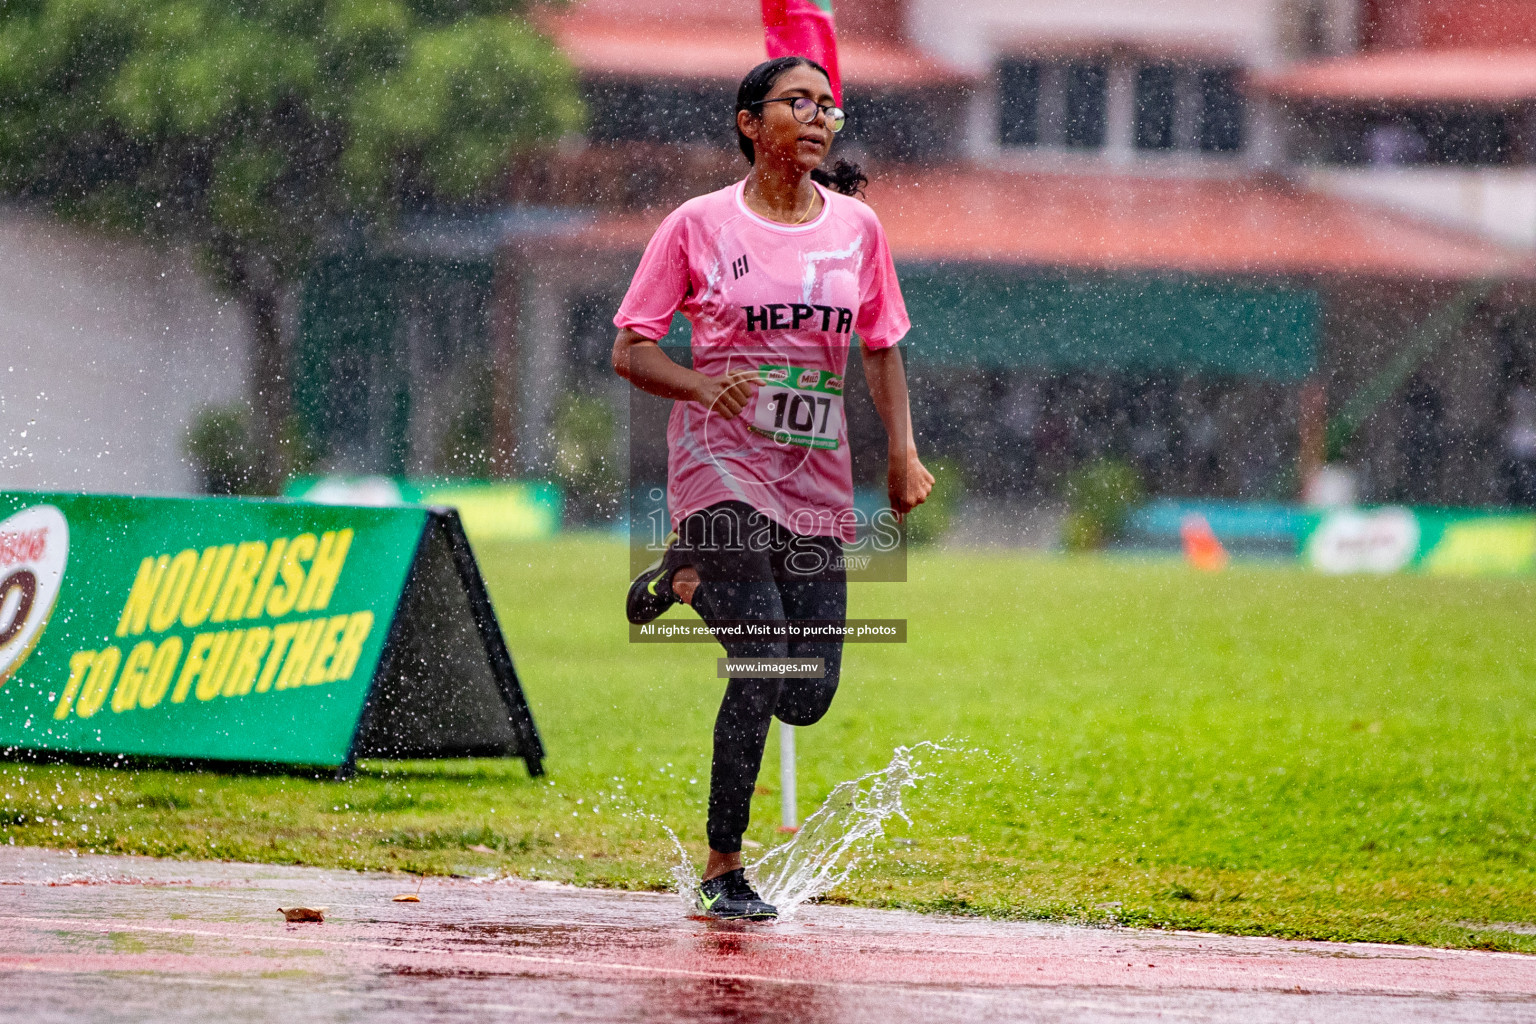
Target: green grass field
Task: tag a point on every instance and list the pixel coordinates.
(1263, 751)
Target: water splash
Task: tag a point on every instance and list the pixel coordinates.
(685, 877)
(823, 853)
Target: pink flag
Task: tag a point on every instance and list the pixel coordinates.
(803, 28)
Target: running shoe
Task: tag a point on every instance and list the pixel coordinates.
(730, 897)
(651, 592)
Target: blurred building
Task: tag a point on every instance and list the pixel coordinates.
(110, 350)
(1184, 234)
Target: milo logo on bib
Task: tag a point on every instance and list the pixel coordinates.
(800, 406)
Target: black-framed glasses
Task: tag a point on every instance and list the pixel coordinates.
(805, 110)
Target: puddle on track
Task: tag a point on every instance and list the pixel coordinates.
(213, 947)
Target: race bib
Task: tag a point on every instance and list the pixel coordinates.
(799, 406)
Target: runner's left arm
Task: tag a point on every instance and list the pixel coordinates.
(907, 479)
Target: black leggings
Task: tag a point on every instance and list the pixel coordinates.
(751, 568)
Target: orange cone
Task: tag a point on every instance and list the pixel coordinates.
(1201, 548)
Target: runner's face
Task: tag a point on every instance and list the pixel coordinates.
(782, 139)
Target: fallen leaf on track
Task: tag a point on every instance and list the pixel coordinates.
(407, 897)
(298, 915)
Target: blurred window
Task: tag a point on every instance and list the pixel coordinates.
(1171, 107)
(1221, 112)
(1448, 135)
(1086, 95)
(901, 125)
(1019, 103)
(1466, 136)
(1156, 104)
(1395, 144)
(1051, 103)
(1311, 30)
(908, 125)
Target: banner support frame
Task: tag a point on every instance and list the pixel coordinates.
(487, 628)
(486, 623)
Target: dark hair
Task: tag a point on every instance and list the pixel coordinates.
(847, 178)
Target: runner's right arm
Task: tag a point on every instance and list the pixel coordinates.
(641, 361)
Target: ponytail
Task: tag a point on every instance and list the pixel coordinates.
(846, 178)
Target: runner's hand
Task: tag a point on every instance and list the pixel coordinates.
(727, 395)
(908, 482)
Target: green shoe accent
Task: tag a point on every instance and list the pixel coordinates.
(643, 602)
(730, 897)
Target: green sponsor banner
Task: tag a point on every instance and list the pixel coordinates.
(511, 510)
(1461, 544)
(1449, 542)
(241, 630)
(1356, 539)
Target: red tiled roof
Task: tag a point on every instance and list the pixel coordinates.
(720, 48)
(1405, 76)
(1440, 24)
(881, 19)
(741, 13)
(1113, 223)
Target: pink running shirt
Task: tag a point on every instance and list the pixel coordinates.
(768, 296)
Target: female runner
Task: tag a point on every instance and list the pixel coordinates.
(776, 273)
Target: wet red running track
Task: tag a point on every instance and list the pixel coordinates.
(105, 939)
